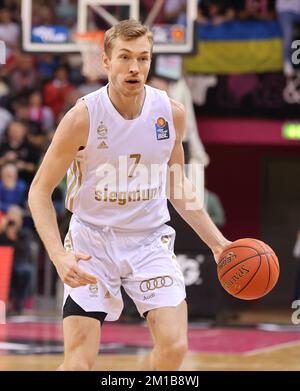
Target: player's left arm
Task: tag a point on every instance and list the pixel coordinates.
(182, 192)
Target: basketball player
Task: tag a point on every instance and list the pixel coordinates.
(117, 237)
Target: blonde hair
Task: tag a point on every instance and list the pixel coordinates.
(126, 30)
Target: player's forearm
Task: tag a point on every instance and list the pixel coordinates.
(44, 217)
(190, 208)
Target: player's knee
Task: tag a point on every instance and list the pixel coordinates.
(176, 349)
(179, 349)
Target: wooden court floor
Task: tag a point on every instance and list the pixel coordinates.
(123, 346)
(282, 359)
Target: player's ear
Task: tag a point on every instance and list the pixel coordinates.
(105, 61)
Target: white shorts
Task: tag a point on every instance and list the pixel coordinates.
(142, 262)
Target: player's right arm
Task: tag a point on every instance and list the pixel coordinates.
(71, 134)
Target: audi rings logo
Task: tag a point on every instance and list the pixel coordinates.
(156, 283)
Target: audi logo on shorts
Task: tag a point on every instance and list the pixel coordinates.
(156, 283)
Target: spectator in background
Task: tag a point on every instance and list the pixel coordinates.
(215, 12)
(22, 272)
(9, 30)
(66, 12)
(35, 134)
(2, 220)
(14, 7)
(24, 75)
(175, 11)
(43, 13)
(255, 9)
(5, 119)
(288, 14)
(40, 113)
(70, 100)
(56, 91)
(4, 88)
(12, 189)
(16, 149)
(46, 64)
(7, 69)
(13, 213)
(90, 85)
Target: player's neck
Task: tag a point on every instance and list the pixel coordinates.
(130, 107)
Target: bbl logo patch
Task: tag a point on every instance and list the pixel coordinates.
(162, 129)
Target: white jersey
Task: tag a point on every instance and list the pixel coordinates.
(119, 178)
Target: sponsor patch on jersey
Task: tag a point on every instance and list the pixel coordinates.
(107, 295)
(162, 129)
(102, 130)
(93, 289)
(102, 145)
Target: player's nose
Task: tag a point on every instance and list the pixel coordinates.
(134, 68)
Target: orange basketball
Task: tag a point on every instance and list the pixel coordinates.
(248, 269)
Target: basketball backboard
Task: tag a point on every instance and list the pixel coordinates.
(52, 29)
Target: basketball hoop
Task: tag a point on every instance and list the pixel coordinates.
(91, 45)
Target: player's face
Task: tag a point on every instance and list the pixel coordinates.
(128, 65)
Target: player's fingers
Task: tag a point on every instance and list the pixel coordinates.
(88, 278)
(73, 283)
(83, 257)
(74, 280)
(82, 281)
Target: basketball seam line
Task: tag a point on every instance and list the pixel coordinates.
(254, 274)
(246, 259)
(272, 254)
(269, 267)
(230, 248)
(276, 262)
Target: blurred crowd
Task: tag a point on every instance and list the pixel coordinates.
(219, 11)
(37, 90)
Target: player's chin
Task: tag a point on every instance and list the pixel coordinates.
(136, 86)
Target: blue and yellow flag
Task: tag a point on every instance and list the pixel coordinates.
(237, 47)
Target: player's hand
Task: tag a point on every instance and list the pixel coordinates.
(218, 250)
(69, 271)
